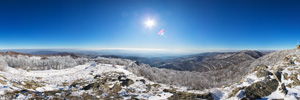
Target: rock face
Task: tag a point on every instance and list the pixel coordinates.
(261, 89)
(262, 71)
(188, 96)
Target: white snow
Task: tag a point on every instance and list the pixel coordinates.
(276, 95)
(53, 80)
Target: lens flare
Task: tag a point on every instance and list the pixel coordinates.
(161, 32)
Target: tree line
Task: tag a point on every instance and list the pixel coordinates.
(36, 63)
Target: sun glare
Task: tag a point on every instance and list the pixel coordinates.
(149, 23)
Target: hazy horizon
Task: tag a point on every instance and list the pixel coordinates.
(127, 51)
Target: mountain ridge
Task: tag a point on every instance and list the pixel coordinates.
(272, 76)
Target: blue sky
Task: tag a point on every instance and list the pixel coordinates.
(188, 24)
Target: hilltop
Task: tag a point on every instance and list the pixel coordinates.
(267, 76)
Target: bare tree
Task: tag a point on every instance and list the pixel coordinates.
(3, 64)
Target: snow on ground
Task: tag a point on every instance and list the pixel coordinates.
(222, 93)
(53, 79)
(276, 95)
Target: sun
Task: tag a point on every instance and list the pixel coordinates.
(150, 23)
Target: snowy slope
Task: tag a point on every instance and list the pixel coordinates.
(276, 81)
(89, 81)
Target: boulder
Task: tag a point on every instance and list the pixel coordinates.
(127, 82)
(190, 96)
(261, 89)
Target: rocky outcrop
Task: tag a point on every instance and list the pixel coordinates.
(261, 89)
(190, 96)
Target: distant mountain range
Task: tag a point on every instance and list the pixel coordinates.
(201, 62)
(196, 62)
